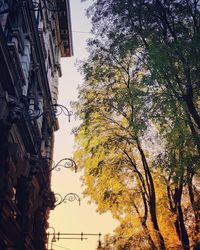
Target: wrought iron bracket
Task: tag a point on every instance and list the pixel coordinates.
(64, 163)
(54, 109)
(68, 197)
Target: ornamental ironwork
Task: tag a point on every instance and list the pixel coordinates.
(70, 197)
(64, 163)
(55, 109)
(49, 5)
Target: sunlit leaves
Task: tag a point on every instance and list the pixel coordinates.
(139, 111)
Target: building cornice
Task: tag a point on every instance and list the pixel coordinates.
(65, 28)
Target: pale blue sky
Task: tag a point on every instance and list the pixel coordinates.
(70, 217)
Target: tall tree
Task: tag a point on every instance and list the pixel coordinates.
(143, 73)
(169, 32)
(111, 107)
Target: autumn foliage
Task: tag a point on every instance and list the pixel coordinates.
(139, 138)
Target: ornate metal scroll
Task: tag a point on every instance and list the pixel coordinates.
(55, 109)
(68, 197)
(64, 163)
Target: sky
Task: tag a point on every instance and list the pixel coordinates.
(69, 217)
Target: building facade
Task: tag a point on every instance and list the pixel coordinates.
(33, 37)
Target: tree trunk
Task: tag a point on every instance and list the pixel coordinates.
(151, 243)
(143, 220)
(179, 223)
(192, 109)
(181, 230)
(175, 207)
(195, 207)
(153, 217)
(194, 133)
(152, 198)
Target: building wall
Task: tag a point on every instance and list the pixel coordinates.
(30, 50)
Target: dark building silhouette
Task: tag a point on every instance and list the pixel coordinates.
(33, 37)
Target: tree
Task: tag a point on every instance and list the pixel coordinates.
(109, 109)
(168, 31)
(142, 76)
